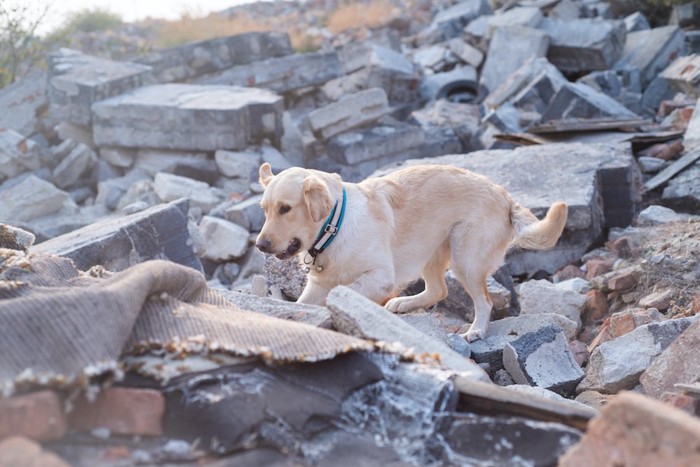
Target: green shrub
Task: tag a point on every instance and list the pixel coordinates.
(20, 49)
(92, 20)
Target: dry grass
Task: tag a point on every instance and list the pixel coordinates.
(372, 13)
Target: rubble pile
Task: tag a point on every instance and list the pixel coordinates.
(112, 164)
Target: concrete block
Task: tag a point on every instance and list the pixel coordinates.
(280, 74)
(248, 214)
(526, 79)
(541, 296)
(19, 154)
(210, 56)
(118, 157)
(543, 359)
(683, 191)
(356, 315)
(617, 364)
(636, 22)
(22, 102)
(170, 187)
(30, 199)
(76, 81)
(583, 45)
(466, 52)
(657, 215)
(188, 117)
(451, 20)
(237, 164)
(224, 240)
(75, 169)
(350, 112)
(579, 101)
(159, 232)
(651, 51)
(510, 47)
(356, 146)
(111, 191)
(684, 74)
(526, 16)
(393, 72)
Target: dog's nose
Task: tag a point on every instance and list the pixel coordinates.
(264, 245)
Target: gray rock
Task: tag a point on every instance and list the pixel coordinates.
(452, 119)
(356, 315)
(248, 214)
(393, 72)
(118, 157)
(617, 364)
(651, 51)
(683, 191)
(524, 82)
(452, 20)
(636, 22)
(466, 52)
(459, 303)
(117, 243)
(511, 47)
(30, 199)
(433, 56)
(526, 16)
(684, 74)
(541, 296)
(15, 238)
(76, 81)
(188, 117)
(566, 10)
(579, 101)
(75, 169)
(78, 133)
(656, 215)
(349, 112)
(542, 358)
(515, 326)
(239, 164)
(153, 161)
(22, 103)
(441, 85)
(489, 352)
(224, 240)
(19, 154)
(170, 187)
(284, 276)
(317, 316)
(650, 165)
(583, 45)
(214, 55)
(275, 158)
(281, 74)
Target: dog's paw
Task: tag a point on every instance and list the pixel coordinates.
(474, 334)
(400, 304)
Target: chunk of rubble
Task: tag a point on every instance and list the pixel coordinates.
(541, 296)
(207, 118)
(510, 47)
(533, 84)
(452, 20)
(76, 81)
(224, 240)
(248, 214)
(542, 358)
(651, 51)
(117, 243)
(466, 52)
(636, 22)
(684, 74)
(349, 112)
(356, 315)
(526, 16)
(578, 101)
(170, 187)
(584, 45)
(617, 364)
(210, 56)
(657, 215)
(683, 191)
(15, 238)
(30, 199)
(75, 169)
(22, 102)
(280, 74)
(19, 154)
(623, 86)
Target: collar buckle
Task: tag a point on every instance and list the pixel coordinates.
(331, 229)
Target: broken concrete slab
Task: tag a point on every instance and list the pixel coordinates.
(541, 296)
(530, 72)
(542, 358)
(584, 45)
(237, 164)
(526, 16)
(683, 191)
(188, 117)
(393, 72)
(349, 112)
(248, 214)
(356, 315)
(317, 316)
(110, 192)
(579, 101)
(76, 168)
(117, 243)
(213, 55)
(118, 157)
(617, 364)
(451, 20)
(224, 240)
(466, 52)
(623, 86)
(651, 51)
(684, 74)
(636, 22)
(22, 102)
(19, 154)
(30, 199)
(606, 194)
(170, 187)
(281, 74)
(76, 81)
(510, 47)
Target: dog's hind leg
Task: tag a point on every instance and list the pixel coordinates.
(435, 288)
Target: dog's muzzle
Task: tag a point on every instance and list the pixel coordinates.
(291, 250)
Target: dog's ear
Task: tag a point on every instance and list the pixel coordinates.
(317, 197)
(265, 174)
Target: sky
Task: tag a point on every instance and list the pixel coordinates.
(129, 10)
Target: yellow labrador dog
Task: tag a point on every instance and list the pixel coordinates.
(385, 232)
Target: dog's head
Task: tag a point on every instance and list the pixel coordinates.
(296, 203)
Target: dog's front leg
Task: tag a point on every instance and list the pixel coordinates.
(313, 294)
(376, 284)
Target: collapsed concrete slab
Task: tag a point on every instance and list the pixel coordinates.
(579, 101)
(651, 51)
(583, 45)
(224, 240)
(349, 112)
(684, 74)
(281, 74)
(188, 117)
(30, 199)
(159, 232)
(214, 55)
(76, 81)
(453, 19)
(536, 80)
(606, 193)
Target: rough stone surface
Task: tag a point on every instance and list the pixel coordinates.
(677, 364)
(75, 168)
(543, 358)
(530, 87)
(248, 214)
(170, 187)
(224, 240)
(317, 316)
(286, 277)
(159, 232)
(188, 117)
(617, 364)
(683, 191)
(518, 325)
(541, 296)
(38, 415)
(584, 44)
(214, 55)
(22, 102)
(29, 199)
(349, 112)
(452, 20)
(237, 164)
(651, 51)
(684, 74)
(76, 81)
(124, 411)
(579, 101)
(356, 315)
(636, 430)
(656, 215)
(19, 154)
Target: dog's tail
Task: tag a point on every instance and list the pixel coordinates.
(534, 234)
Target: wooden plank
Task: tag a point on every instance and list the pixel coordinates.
(671, 171)
(491, 399)
(570, 125)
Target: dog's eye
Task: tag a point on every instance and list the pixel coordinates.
(284, 209)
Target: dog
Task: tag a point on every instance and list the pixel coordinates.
(385, 232)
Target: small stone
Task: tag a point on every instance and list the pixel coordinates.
(598, 267)
(224, 240)
(660, 300)
(596, 305)
(37, 415)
